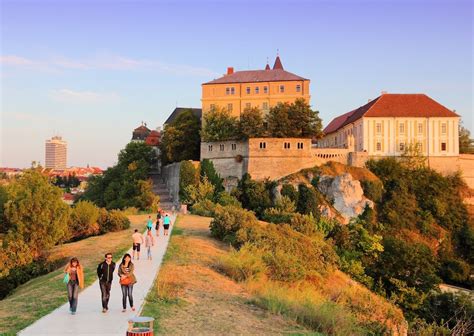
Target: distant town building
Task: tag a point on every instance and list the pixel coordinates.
(238, 90)
(387, 125)
(56, 153)
(178, 110)
(10, 172)
(140, 133)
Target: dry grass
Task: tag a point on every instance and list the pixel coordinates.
(191, 297)
(18, 310)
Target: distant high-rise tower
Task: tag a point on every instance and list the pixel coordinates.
(56, 153)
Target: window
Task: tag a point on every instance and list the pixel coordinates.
(229, 107)
(263, 145)
(282, 88)
(420, 128)
(402, 128)
(443, 128)
(286, 145)
(401, 146)
(378, 127)
(227, 91)
(257, 90)
(210, 148)
(248, 105)
(443, 146)
(234, 146)
(232, 90)
(221, 147)
(300, 145)
(298, 88)
(265, 106)
(213, 106)
(379, 146)
(248, 89)
(265, 89)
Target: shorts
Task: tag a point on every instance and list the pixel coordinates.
(166, 226)
(136, 247)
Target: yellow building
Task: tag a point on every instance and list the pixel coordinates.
(387, 125)
(236, 91)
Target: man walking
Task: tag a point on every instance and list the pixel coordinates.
(137, 241)
(105, 272)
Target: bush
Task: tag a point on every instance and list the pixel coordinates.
(130, 211)
(454, 271)
(282, 212)
(373, 190)
(208, 170)
(204, 190)
(204, 208)
(289, 191)
(224, 199)
(306, 224)
(83, 220)
(243, 264)
(117, 221)
(229, 220)
(253, 195)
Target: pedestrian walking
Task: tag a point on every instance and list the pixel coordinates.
(137, 241)
(157, 226)
(105, 272)
(149, 242)
(74, 278)
(149, 224)
(127, 280)
(166, 223)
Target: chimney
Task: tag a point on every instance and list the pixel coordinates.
(230, 70)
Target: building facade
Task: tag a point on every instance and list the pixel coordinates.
(236, 91)
(56, 153)
(390, 124)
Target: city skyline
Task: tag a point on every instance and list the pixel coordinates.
(95, 79)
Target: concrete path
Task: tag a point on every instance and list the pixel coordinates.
(89, 319)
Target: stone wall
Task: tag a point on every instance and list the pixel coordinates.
(466, 165)
(170, 175)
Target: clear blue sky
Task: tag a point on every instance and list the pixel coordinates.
(91, 71)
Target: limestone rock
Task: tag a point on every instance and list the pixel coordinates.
(345, 193)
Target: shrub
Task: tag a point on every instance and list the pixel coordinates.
(373, 190)
(253, 195)
(454, 271)
(228, 221)
(282, 212)
(224, 199)
(204, 208)
(289, 191)
(130, 211)
(204, 190)
(83, 220)
(208, 170)
(307, 201)
(117, 221)
(243, 264)
(306, 224)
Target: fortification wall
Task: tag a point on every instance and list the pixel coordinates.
(466, 165)
(170, 174)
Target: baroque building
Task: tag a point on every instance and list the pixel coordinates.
(236, 91)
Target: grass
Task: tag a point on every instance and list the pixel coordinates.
(18, 310)
(164, 293)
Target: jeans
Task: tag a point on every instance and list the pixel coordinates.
(127, 291)
(105, 290)
(148, 251)
(72, 294)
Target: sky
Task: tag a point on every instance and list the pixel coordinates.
(92, 71)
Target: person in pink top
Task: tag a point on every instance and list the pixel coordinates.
(137, 241)
(149, 242)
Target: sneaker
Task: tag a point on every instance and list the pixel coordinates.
(133, 308)
(124, 310)
(104, 310)
(73, 313)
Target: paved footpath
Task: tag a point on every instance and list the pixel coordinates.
(89, 319)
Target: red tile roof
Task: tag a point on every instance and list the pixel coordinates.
(393, 105)
(251, 76)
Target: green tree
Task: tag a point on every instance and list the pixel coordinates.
(278, 120)
(36, 212)
(251, 124)
(308, 202)
(181, 139)
(188, 176)
(204, 190)
(466, 144)
(208, 170)
(253, 195)
(219, 125)
(3, 200)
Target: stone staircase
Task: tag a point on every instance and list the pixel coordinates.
(160, 189)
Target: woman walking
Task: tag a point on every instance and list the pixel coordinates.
(74, 278)
(157, 226)
(127, 280)
(149, 242)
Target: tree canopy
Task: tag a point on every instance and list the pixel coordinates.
(219, 125)
(466, 143)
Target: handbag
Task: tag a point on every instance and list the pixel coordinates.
(125, 281)
(66, 278)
